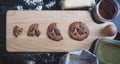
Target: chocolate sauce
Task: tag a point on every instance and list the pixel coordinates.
(107, 9)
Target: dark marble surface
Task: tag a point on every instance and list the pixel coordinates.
(116, 20)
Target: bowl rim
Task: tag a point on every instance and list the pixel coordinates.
(115, 3)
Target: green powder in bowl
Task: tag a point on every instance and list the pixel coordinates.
(108, 52)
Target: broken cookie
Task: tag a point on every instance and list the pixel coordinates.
(78, 31)
(34, 30)
(53, 32)
(17, 31)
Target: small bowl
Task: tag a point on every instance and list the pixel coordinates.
(107, 51)
(97, 16)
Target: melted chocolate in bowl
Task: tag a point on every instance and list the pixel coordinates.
(107, 9)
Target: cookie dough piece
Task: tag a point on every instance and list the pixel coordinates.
(17, 31)
(34, 30)
(78, 31)
(109, 30)
(53, 32)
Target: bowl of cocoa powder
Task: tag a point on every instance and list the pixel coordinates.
(106, 10)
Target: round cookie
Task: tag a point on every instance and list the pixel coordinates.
(78, 31)
(53, 32)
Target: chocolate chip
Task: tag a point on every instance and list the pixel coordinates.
(83, 28)
(32, 34)
(75, 34)
(32, 29)
(52, 34)
(57, 32)
(19, 30)
(85, 32)
(37, 33)
(80, 31)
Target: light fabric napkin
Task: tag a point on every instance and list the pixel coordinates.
(79, 57)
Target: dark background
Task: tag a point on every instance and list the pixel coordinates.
(30, 57)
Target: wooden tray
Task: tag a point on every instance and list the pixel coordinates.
(23, 43)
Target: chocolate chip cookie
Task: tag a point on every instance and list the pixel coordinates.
(17, 31)
(78, 31)
(34, 30)
(53, 32)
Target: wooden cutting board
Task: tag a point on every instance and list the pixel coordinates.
(24, 19)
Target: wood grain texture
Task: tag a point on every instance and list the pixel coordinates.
(24, 19)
